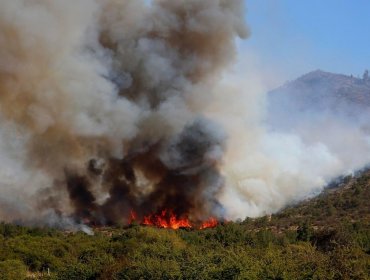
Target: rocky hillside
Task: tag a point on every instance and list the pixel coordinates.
(318, 87)
(320, 92)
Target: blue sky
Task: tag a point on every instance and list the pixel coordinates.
(297, 36)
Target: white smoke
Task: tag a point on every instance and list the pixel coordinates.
(268, 168)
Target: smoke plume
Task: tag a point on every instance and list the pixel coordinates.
(102, 107)
(113, 106)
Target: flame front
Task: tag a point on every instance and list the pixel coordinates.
(212, 222)
(167, 219)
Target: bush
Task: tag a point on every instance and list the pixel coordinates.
(12, 270)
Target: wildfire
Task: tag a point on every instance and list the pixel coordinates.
(167, 219)
(212, 222)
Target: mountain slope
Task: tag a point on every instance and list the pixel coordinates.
(319, 87)
(318, 93)
(344, 202)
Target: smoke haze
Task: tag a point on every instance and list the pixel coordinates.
(109, 106)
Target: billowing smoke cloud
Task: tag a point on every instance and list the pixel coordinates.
(101, 107)
(291, 149)
(113, 106)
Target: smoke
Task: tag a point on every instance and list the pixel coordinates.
(110, 106)
(105, 99)
(288, 148)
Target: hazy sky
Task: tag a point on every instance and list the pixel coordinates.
(292, 37)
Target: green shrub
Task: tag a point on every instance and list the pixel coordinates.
(12, 270)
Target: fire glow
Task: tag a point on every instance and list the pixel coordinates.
(167, 219)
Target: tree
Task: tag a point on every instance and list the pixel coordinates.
(304, 232)
(365, 76)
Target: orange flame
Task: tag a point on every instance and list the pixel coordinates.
(211, 223)
(167, 219)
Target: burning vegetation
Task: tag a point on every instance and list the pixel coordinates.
(170, 221)
(167, 219)
(143, 187)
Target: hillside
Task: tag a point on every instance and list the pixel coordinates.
(348, 201)
(318, 87)
(318, 93)
(327, 237)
